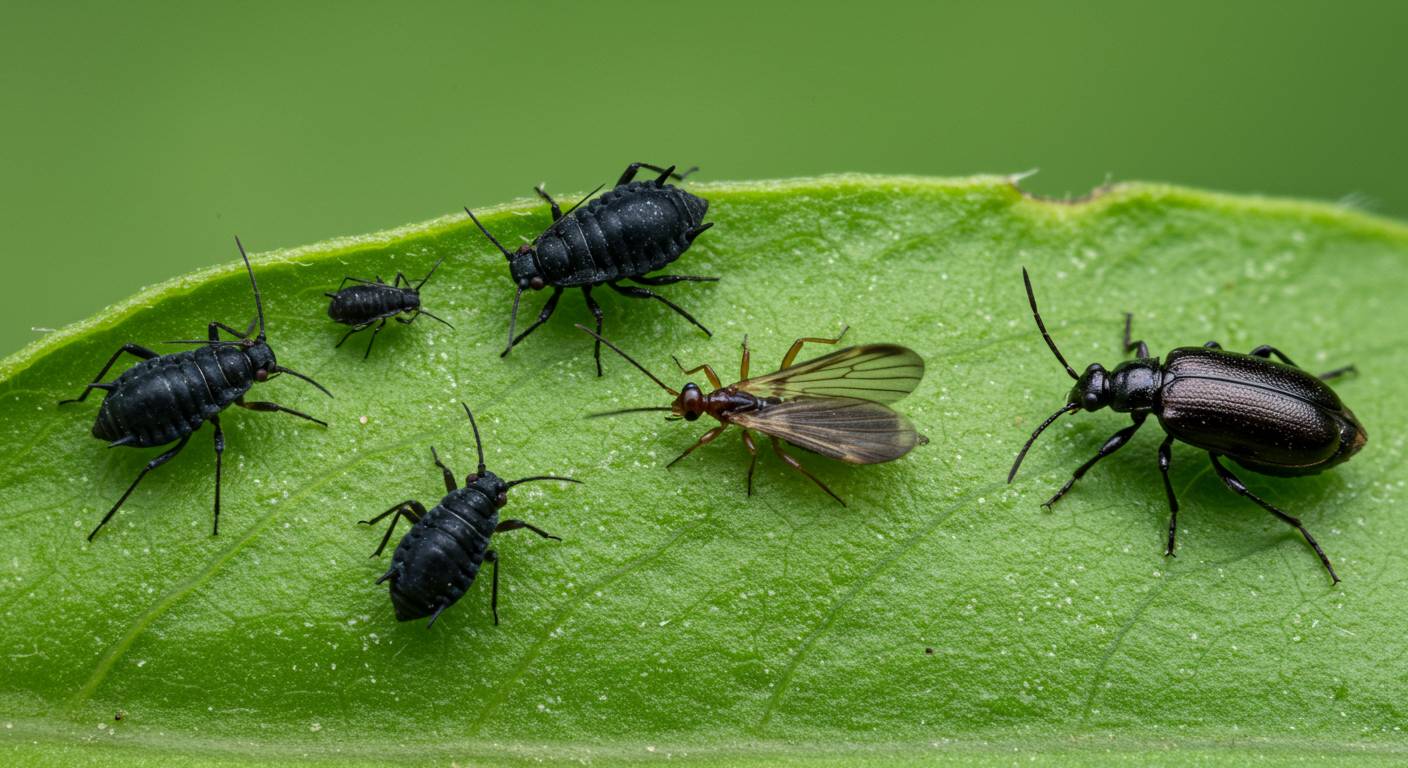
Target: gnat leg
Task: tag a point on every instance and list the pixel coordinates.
(797, 346)
(153, 464)
(753, 458)
(793, 463)
(705, 439)
(708, 370)
(1241, 490)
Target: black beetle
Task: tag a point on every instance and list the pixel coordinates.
(167, 397)
(635, 228)
(1269, 417)
(366, 303)
(437, 561)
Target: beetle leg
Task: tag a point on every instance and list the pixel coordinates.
(410, 509)
(705, 439)
(491, 556)
(642, 293)
(450, 486)
(258, 405)
(1338, 372)
(792, 462)
(513, 525)
(1139, 348)
(672, 279)
(219, 457)
(753, 461)
(556, 209)
(1166, 459)
(543, 316)
(1266, 350)
(797, 346)
(131, 349)
(345, 336)
(596, 312)
(1241, 489)
(1114, 443)
(153, 464)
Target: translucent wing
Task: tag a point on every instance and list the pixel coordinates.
(844, 428)
(883, 373)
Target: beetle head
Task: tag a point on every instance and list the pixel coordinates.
(1092, 390)
(690, 403)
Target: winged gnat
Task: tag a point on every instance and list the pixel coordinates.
(834, 405)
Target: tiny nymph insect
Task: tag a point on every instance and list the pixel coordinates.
(1269, 417)
(834, 405)
(634, 229)
(166, 398)
(366, 303)
(439, 558)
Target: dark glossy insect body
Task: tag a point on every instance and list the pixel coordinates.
(166, 398)
(438, 560)
(634, 229)
(834, 405)
(1269, 417)
(366, 303)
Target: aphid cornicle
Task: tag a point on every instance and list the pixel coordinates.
(1269, 417)
(166, 398)
(834, 405)
(634, 229)
(366, 303)
(438, 559)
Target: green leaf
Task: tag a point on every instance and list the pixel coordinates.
(941, 615)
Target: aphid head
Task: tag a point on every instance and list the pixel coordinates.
(690, 403)
(1092, 390)
(261, 359)
(522, 263)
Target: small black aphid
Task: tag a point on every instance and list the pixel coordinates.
(167, 397)
(835, 405)
(438, 559)
(1269, 417)
(635, 228)
(367, 303)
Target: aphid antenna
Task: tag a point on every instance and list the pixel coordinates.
(1067, 408)
(258, 301)
(428, 274)
(629, 359)
(297, 375)
(433, 317)
(585, 199)
(542, 477)
(478, 444)
(1041, 326)
(499, 245)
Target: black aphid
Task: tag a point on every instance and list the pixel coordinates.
(166, 398)
(637, 227)
(366, 303)
(438, 559)
(834, 405)
(1269, 417)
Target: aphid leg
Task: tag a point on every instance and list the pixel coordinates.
(219, 458)
(1267, 351)
(1114, 443)
(492, 557)
(596, 312)
(513, 525)
(153, 464)
(450, 486)
(410, 509)
(355, 329)
(1165, 460)
(556, 209)
(642, 293)
(1139, 348)
(797, 346)
(259, 405)
(705, 439)
(1338, 372)
(131, 349)
(400, 278)
(1241, 490)
(797, 465)
(347, 280)
(372, 340)
(542, 318)
(708, 370)
(753, 460)
(213, 331)
(665, 173)
(672, 279)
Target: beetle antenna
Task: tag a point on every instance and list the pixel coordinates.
(258, 302)
(618, 351)
(543, 477)
(297, 375)
(428, 274)
(630, 410)
(1031, 299)
(1067, 408)
(478, 445)
(507, 255)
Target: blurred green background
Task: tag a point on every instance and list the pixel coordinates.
(137, 138)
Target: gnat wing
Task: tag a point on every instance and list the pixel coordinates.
(882, 373)
(844, 428)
